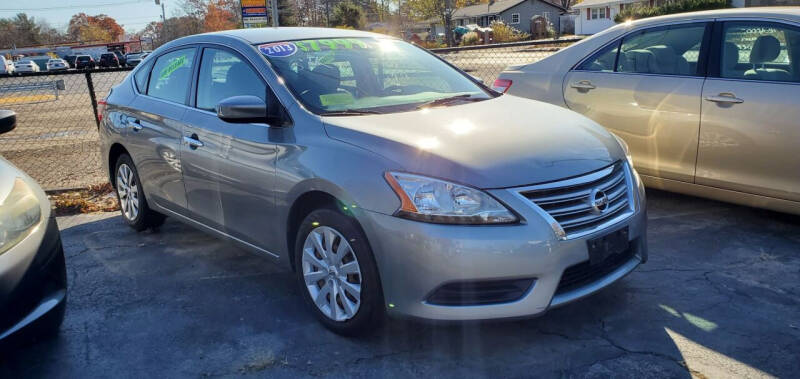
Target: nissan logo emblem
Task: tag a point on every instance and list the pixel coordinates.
(598, 200)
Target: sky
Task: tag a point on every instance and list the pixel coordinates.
(133, 15)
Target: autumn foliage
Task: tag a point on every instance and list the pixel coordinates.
(100, 28)
(219, 17)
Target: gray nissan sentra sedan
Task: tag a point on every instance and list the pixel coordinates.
(388, 180)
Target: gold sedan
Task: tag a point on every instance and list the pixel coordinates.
(708, 102)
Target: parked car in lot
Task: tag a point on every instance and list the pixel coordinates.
(84, 62)
(108, 60)
(706, 101)
(389, 180)
(57, 64)
(135, 58)
(120, 57)
(70, 59)
(6, 66)
(26, 65)
(33, 279)
(40, 60)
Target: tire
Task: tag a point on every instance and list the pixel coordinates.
(133, 203)
(368, 312)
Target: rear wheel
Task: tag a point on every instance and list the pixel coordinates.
(132, 202)
(337, 273)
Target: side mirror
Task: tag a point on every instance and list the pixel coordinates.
(8, 121)
(242, 109)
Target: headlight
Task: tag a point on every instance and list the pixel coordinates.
(437, 201)
(625, 148)
(19, 214)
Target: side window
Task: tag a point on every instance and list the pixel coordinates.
(665, 50)
(172, 75)
(223, 75)
(602, 60)
(760, 51)
(140, 78)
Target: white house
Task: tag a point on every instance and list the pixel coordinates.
(598, 15)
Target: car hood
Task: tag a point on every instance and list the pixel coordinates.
(502, 142)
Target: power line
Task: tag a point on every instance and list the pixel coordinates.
(71, 6)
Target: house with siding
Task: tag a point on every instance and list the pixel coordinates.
(515, 13)
(598, 15)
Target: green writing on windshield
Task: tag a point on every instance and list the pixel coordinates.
(330, 44)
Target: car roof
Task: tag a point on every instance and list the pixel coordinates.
(264, 35)
(785, 13)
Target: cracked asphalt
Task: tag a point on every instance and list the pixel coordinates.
(720, 297)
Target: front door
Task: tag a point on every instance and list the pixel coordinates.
(230, 167)
(750, 131)
(646, 89)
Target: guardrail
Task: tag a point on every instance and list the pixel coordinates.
(54, 85)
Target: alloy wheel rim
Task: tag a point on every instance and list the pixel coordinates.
(128, 192)
(331, 273)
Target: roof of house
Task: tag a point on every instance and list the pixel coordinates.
(494, 8)
(600, 3)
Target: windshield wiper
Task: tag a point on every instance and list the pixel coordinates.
(448, 100)
(349, 112)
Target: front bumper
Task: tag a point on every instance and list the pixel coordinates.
(33, 279)
(416, 259)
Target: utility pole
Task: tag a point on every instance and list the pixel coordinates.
(448, 21)
(163, 22)
(274, 11)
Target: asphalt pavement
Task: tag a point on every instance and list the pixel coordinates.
(720, 297)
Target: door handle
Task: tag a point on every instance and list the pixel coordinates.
(583, 84)
(725, 98)
(192, 141)
(135, 124)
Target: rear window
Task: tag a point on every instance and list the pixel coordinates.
(83, 59)
(171, 76)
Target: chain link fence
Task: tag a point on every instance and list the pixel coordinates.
(56, 139)
(488, 61)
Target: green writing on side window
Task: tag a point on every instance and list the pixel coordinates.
(171, 67)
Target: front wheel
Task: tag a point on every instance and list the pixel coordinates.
(132, 202)
(337, 273)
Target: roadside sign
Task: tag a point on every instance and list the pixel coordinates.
(254, 13)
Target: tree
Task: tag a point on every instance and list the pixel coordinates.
(218, 17)
(26, 31)
(94, 28)
(110, 25)
(347, 14)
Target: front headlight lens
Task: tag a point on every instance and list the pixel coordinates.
(19, 214)
(438, 201)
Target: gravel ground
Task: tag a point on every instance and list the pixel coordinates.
(720, 297)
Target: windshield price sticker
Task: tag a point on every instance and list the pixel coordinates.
(278, 49)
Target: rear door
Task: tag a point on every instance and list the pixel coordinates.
(155, 126)
(230, 167)
(750, 131)
(645, 87)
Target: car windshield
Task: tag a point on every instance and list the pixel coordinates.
(349, 76)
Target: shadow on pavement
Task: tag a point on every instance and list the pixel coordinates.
(719, 297)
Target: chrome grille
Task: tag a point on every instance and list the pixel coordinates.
(569, 202)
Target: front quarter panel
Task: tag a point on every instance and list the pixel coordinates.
(308, 160)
